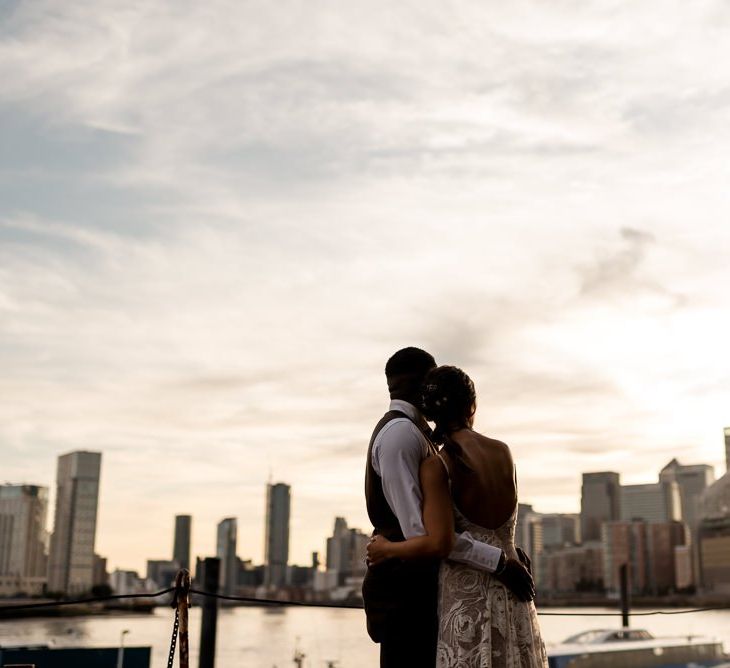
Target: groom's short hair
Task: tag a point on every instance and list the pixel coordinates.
(405, 372)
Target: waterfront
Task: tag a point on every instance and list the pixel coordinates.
(262, 638)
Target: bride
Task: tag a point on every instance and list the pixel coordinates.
(469, 486)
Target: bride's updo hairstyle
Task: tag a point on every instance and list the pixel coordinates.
(449, 400)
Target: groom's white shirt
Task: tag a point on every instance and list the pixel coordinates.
(398, 451)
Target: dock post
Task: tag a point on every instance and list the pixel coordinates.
(625, 595)
(182, 588)
(211, 571)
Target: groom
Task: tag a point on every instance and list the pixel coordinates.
(401, 597)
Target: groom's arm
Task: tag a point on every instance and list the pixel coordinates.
(468, 550)
(397, 456)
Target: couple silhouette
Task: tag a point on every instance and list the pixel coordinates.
(445, 586)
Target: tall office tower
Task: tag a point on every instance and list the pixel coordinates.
(663, 539)
(573, 568)
(101, 577)
(22, 539)
(625, 543)
(599, 503)
(162, 572)
(693, 480)
(226, 552)
(727, 449)
(336, 546)
(559, 530)
(713, 537)
(181, 545)
(346, 550)
(528, 536)
(278, 504)
(71, 562)
(656, 502)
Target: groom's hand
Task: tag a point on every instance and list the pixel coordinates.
(526, 561)
(517, 579)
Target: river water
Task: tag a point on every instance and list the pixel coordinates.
(262, 638)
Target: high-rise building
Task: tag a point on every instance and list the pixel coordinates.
(528, 531)
(528, 536)
(101, 577)
(23, 511)
(226, 551)
(162, 572)
(663, 539)
(126, 582)
(278, 507)
(625, 543)
(559, 530)
(574, 568)
(599, 502)
(648, 548)
(655, 502)
(727, 449)
(71, 560)
(692, 480)
(346, 550)
(713, 537)
(181, 544)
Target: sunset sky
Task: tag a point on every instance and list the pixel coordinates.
(218, 220)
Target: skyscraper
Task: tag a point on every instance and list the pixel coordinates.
(559, 530)
(346, 550)
(727, 449)
(599, 502)
(625, 543)
(22, 539)
(656, 502)
(226, 552)
(181, 545)
(693, 480)
(278, 502)
(71, 561)
(528, 533)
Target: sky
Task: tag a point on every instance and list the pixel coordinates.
(218, 220)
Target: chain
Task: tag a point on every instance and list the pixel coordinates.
(173, 640)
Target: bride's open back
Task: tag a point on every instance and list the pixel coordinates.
(482, 624)
(482, 476)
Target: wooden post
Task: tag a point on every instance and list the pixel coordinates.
(182, 586)
(211, 571)
(625, 595)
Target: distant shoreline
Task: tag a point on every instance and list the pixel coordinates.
(75, 610)
(148, 607)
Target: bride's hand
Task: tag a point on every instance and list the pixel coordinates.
(378, 550)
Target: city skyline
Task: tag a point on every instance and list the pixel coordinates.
(693, 478)
(675, 533)
(214, 231)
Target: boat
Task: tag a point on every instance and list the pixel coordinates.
(635, 648)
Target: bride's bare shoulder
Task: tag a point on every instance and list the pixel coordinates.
(433, 471)
(494, 444)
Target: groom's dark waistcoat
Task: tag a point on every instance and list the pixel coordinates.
(395, 586)
(380, 513)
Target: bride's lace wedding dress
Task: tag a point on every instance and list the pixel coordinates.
(481, 623)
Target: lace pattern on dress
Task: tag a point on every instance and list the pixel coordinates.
(481, 623)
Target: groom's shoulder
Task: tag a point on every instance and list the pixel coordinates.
(399, 432)
(397, 425)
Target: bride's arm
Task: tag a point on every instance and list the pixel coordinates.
(438, 520)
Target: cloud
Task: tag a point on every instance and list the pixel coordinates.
(619, 272)
(214, 230)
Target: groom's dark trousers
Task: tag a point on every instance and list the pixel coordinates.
(400, 604)
(400, 596)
